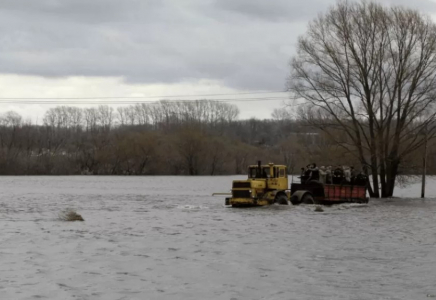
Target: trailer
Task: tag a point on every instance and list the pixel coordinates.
(315, 192)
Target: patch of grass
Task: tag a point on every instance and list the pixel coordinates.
(70, 215)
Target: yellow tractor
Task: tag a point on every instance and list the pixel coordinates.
(266, 184)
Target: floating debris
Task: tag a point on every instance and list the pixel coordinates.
(319, 209)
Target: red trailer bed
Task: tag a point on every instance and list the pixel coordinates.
(330, 193)
(345, 193)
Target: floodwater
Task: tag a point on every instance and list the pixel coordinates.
(168, 238)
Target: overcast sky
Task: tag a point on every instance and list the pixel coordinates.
(110, 48)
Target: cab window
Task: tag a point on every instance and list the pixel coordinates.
(253, 172)
(265, 172)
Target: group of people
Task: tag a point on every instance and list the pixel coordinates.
(329, 175)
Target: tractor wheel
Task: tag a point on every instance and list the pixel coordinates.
(307, 199)
(295, 200)
(282, 199)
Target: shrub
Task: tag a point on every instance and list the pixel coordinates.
(70, 215)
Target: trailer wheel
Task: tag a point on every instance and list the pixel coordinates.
(307, 199)
(282, 199)
(295, 200)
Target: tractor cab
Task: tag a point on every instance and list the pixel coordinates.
(275, 176)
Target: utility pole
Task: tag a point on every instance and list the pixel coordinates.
(424, 163)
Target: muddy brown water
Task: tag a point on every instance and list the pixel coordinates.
(168, 238)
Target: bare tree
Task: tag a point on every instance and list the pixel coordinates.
(369, 71)
(121, 115)
(91, 118)
(189, 144)
(280, 114)
(217, 154)
(105, 116)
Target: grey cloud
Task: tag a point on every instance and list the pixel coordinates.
(155, 41)
(292, 10)
(278, 10)
(426, 6)
(83, 10)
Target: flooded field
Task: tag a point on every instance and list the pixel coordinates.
(168, 238)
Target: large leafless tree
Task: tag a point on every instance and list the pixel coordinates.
(368, 72)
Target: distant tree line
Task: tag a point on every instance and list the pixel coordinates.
(164, 138)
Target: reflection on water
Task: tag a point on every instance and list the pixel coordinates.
(168, 238)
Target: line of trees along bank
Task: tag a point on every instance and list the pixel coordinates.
(76, 141)
(200, 137)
